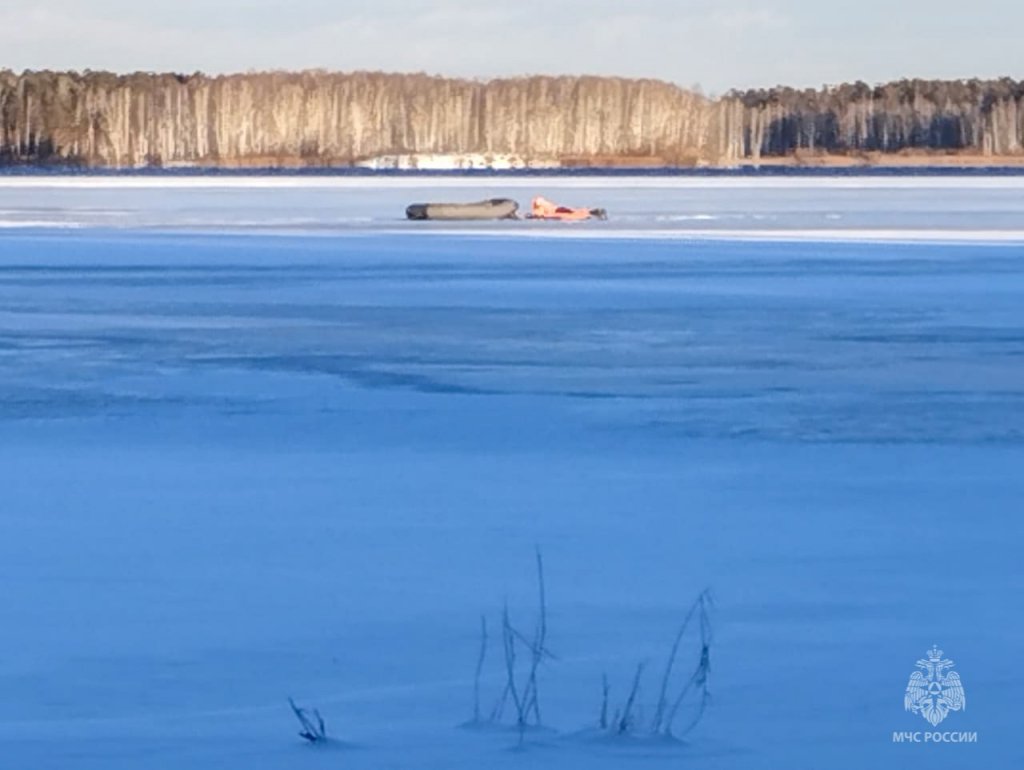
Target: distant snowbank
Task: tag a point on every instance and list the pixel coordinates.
(455, 162)
(38, 224)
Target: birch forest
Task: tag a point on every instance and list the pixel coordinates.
(101, 119)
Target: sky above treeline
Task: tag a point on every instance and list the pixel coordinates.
(717, 45)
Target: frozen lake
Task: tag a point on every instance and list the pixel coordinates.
(901, 208)
(262, 438)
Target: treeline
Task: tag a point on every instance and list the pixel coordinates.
(103, 119)
(983, 116)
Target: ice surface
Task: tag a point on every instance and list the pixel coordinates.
(841, 208)
(299, 457)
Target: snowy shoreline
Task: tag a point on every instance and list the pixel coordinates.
(588, 181)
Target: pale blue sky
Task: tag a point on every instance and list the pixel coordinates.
(716, 44)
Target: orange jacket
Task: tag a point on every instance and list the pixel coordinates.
(542, 208)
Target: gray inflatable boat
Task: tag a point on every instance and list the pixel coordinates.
(495, 208)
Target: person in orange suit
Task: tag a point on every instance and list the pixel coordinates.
(542, 208)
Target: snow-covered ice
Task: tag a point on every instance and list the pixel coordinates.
(262, 438)
(929, 208)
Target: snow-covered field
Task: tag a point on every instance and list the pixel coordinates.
(262, 438)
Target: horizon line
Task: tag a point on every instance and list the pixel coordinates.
(694, 88)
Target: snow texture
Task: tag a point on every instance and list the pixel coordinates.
(266, 440)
